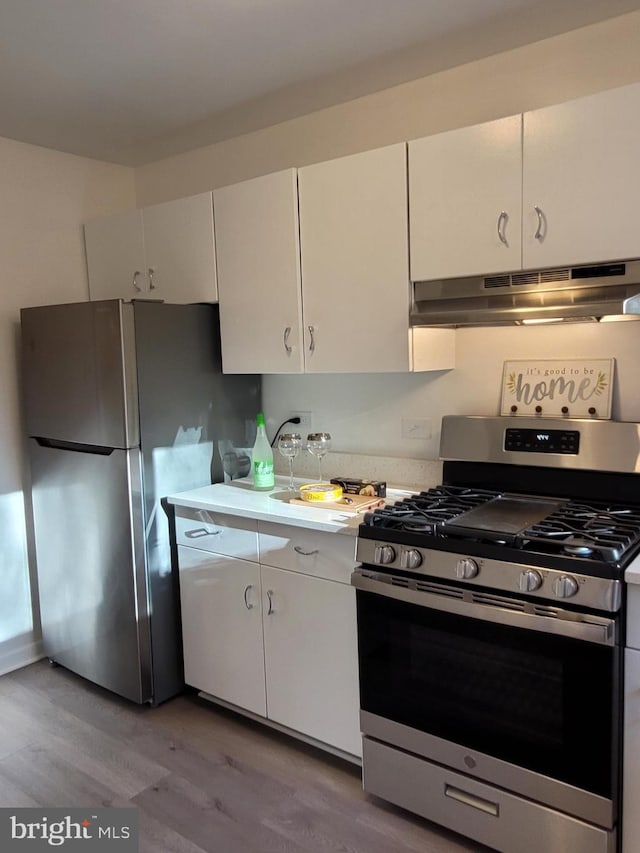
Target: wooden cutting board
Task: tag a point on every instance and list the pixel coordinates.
(352, 504)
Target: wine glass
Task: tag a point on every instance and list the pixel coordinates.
(318, 445)
(289, 444)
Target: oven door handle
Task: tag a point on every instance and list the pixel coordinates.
(591, 629)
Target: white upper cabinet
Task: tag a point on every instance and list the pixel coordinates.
(258, 253)
(465, 201)
(560, 191)
(581, 173)
(327, 290)
(166, 251)
(355, 264)
(115, 256)
(180, 249)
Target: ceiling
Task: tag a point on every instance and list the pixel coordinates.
(131, 81)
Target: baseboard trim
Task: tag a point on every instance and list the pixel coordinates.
(18, 652)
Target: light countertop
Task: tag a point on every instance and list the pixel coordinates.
(241, 499)
(632, 574)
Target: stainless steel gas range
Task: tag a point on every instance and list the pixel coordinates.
(491, 634)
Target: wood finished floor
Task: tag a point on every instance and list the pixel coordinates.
(202, 778)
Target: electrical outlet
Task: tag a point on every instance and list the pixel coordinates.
(416, 428)
(305, 420)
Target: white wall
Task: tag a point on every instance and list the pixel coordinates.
(363, 413)
(593, 58)
(44, 198)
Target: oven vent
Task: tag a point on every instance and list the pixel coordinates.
(498, 601)
(448, 591)
(587, 292)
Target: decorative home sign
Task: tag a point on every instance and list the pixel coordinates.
(555, 388)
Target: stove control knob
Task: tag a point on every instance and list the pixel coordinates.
(384, 554)
(410, 559)
(466, 568)
(529, 581)
(565, 586)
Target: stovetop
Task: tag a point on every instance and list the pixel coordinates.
(455, 516)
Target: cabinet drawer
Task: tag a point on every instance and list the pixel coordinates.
(323, 555)
(217, 533)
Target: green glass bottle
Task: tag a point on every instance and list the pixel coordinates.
(262, 458)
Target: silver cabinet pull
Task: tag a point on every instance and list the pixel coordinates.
(304, 553)
(539, 235)
(312, 341)
(502, 222)
(151, 284)
(136, 286)
(247, 603)
(199, 532)
(467, 799)
(270, 597)
(285, 340)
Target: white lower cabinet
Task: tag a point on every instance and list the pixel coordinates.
(222, 627)
(310, 657)
(276, 640)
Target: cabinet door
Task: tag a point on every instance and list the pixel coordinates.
(355, 270)
(311, 657)
(222, 627)
(115, 257)
(180, 250)
(465, 201)
(258, 252)
(581, 172)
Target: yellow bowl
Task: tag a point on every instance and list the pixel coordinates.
(319, 492)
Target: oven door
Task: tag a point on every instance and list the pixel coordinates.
(523, 696)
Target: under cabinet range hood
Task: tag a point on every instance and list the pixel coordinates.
(568, 293)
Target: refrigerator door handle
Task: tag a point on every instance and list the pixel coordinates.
(97, 449)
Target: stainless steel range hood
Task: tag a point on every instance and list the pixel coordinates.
(568, 293)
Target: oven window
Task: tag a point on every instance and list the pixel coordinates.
(536, 700)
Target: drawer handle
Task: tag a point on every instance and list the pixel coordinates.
(304, 553)
(270, 597)
(247, 603)
(467, 799)
(199, 532)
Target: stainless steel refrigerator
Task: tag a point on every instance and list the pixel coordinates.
(125, 402)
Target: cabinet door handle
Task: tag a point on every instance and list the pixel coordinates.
(502, 222)
(151, 284)
(247, 603)
(312, 340)
(540, 230)
(270, 597)
(285, 340)
(304, 553)
(136, 286)
(199, 532)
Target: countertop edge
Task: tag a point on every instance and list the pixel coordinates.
(238, 498)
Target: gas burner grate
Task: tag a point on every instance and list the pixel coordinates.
(427, 511)
(583, 530)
